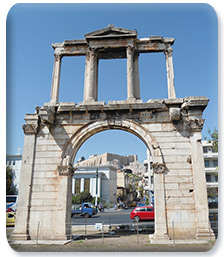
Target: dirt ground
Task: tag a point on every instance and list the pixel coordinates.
(122, 243)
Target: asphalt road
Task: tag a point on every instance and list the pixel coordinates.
(109, 217)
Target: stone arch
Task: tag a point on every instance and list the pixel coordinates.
(92, 128)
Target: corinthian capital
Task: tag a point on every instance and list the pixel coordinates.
(57, 56)
(66, 170)
(169, 51)
(159, 168)
(195, 124)
(30, 129)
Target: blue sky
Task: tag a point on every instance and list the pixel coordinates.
(31, 28)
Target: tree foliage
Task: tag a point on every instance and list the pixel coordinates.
(10, 187)
(82, 197)
(213, 139)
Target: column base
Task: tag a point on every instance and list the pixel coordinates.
(92, 102)
(205, 234)
(158, 238)
(133, 100)
(19, 237)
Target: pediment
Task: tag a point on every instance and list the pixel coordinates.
(111, 32)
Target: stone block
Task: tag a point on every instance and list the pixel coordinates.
(44, 195)
(50, 202)
(51, 188)
(186, 200)
(177, 193)
(186, 185)
(185, 172)
(171, 186)
(45, 167)
(48, 154)
(51, 175)
(38, 188)
(36, 202)
(178, 179)
(39, 174)
(172, 200)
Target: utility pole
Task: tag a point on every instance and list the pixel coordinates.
(96, 199)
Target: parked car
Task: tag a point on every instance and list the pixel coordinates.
(140, 204)
(85, 209)
(10, 218)
(133, 204)
(143, 213)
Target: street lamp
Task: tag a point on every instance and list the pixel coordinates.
(96, 199)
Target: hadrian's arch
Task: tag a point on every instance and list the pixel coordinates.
(170, 128)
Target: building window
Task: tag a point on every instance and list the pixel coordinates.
(77, 185)
(216, 178)
(208, 178)
(205, 149)
(86, 185)
(207, 164)
(215, 163)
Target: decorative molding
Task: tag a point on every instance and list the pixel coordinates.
(159, 168)
(30, 129)
(67, 170)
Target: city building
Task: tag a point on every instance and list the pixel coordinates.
(147, 182)
(211, 168)
(100, 181)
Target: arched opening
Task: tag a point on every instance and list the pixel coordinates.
(96, 178)
(121, 160)
(92, 128)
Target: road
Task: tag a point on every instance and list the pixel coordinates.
(109, 217)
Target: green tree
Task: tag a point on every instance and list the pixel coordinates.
(213, 139)
(82, 197)
(10, 187)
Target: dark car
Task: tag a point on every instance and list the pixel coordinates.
(143, 213)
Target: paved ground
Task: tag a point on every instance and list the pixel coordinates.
(128, 243)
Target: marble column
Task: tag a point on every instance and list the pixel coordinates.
(56, 78)
(130, 73)
(170, 74)
(136, 78)
(91, 76)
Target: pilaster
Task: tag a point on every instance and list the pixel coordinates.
(203, 230)
(21, 231)
(161, 232)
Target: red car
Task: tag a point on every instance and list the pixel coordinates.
(143, 213)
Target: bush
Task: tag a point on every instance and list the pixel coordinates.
(82, 197)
